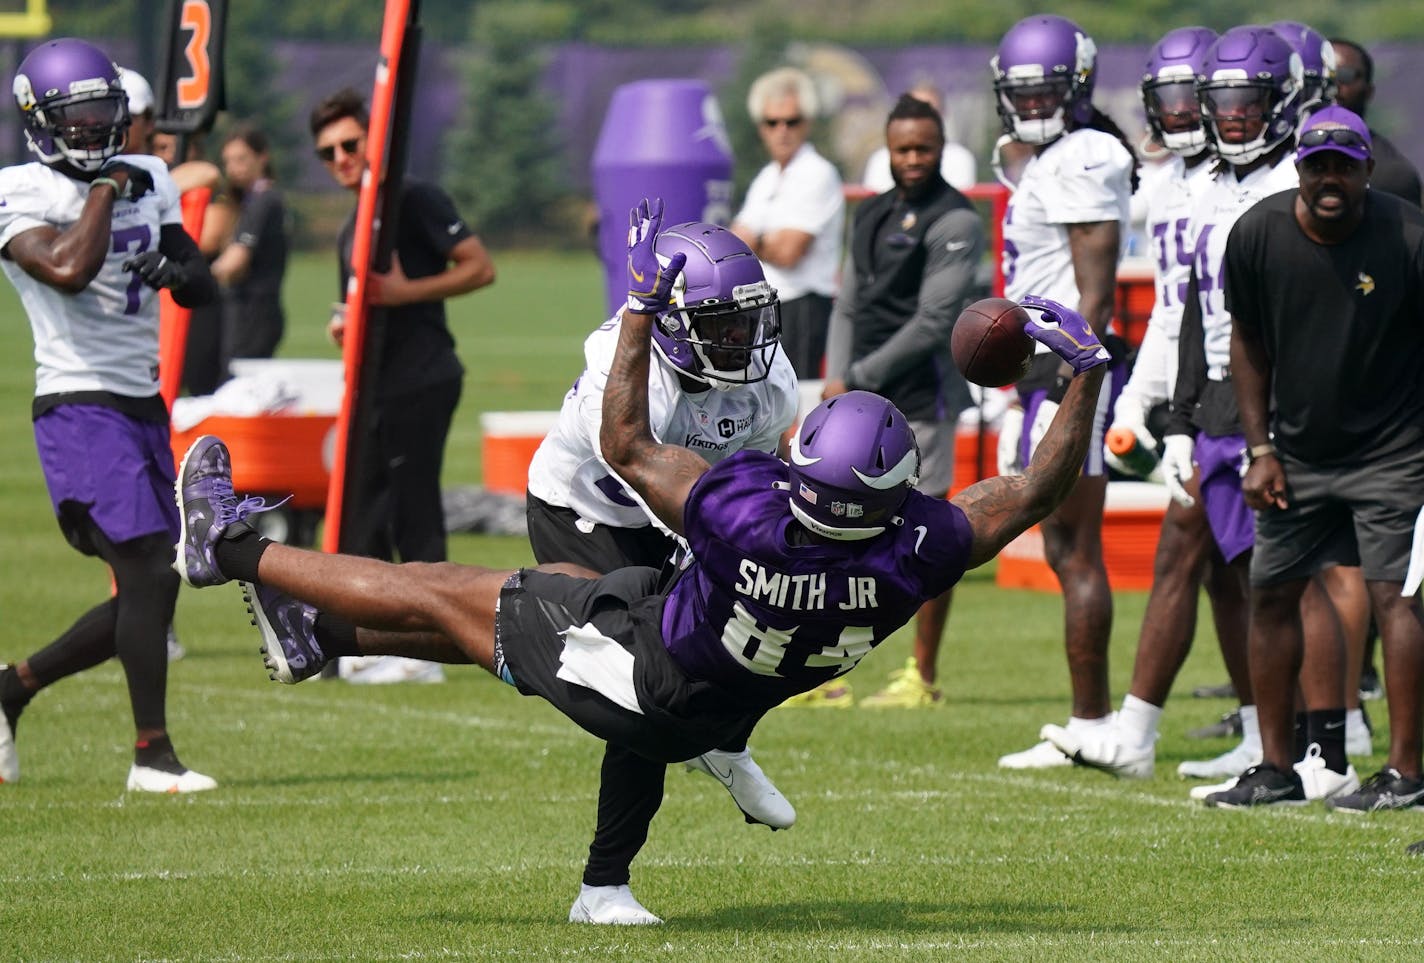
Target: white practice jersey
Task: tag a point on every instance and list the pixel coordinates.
(1218, 206)
(1169, 211)
(1083, 177)
(568, 469)
(105, 338)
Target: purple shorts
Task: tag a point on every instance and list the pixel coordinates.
(1095, 464)
(1233, 524)
(117, 468)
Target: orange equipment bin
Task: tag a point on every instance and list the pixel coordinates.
(273, 454)
(1136, 293)
(1131, 524)
(510, 440)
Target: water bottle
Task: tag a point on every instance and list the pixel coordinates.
(1130, 452)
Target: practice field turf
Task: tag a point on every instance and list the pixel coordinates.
(449, 822)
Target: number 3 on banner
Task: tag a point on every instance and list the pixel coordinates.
(193, 90)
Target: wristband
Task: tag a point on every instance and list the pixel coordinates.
(1259, 451)
(106, 180)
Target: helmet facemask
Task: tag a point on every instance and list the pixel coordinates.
(1247, 120)
(733, 342)
(1174, 111)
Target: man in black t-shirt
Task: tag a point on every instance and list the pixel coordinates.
(419, 376)
(1325, 285)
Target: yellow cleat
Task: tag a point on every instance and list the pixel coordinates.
(831, 694)
(906, 690)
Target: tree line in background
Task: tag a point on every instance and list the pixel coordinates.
(503, 158)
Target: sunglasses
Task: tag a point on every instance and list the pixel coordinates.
(790, 123)
(1348, 75)
(328, 153)
(1339, 136)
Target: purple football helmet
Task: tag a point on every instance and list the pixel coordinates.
(725, 320)
(73, 104)
(1044, 72)
(1169, 89)
(853, 463)
(1317, 60)
(1250, 89)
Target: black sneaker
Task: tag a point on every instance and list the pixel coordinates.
(1262, 785)
(1416, 849)
(1386, 789)
(1227, 727)
(1224, 691)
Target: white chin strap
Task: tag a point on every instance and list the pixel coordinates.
(1239, 155)
(1044, 130)
(1185, 144)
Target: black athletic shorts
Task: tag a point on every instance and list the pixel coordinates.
(555, 536)
(632, 693)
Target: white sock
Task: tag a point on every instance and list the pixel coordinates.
(1076, 724)
(1354, 719)
(1138, 719)
(1250, 728)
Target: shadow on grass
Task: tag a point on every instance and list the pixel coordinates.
(900, 917)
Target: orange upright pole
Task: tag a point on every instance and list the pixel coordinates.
(173, 320)
(362, 245)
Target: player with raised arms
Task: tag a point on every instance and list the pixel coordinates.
(797, 570)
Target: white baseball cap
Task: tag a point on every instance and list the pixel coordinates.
(139, 92)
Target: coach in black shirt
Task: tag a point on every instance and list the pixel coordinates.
(419, 376)
(1325, 285)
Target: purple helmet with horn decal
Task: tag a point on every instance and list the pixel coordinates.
(73, 104)
(1044, 72)
(1169, 89)
(1250, 89)
(853, 462)
(1317, 60)
(725, 320)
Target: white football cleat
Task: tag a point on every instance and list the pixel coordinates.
(1045, 755)
(394, 669)
(610, 906)
(1231, 763)
(146, 779)
(1199, 793)
(754, 794)
(1321, 782)
(1103, 747)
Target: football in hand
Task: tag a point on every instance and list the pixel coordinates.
(989, 343)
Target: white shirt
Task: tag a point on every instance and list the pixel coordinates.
(1216, 210)
(105, 338)
(568, 469)
(805, 195)
(956, 165)
(1083, 177)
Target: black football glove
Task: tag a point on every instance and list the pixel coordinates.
(157, 270)
(133, 181)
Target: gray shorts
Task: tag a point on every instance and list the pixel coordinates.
(936, 441)
(1353, 515)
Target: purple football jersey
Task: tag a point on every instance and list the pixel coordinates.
(756, 609)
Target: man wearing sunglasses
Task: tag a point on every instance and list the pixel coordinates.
(419, 377)
(1355, 80)
(794, 214)
(1325, 285)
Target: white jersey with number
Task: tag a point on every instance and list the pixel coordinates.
(1218, 206)
(568, 469)
(104, 338)
(1169, 213)
(1083, 177)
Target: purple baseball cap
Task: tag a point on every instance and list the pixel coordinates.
(1334, 128)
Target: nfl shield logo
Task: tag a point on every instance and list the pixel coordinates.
(838, 508)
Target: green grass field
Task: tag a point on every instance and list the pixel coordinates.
(450, 822)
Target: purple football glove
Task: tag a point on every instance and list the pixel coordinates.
(1066, 333)
(649, 282)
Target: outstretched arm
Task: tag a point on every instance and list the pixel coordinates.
(999, 509)
(662, 475)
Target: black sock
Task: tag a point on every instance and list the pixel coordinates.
(1326, 728)
(13, 696)
(157, 753)
(239, 550)
(1301, 738)
(337, 637)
